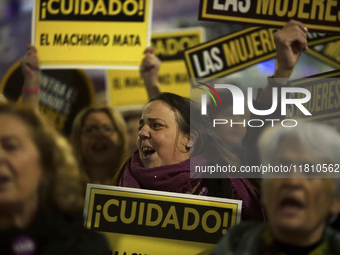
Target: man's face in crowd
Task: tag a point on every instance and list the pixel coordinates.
(298, 205)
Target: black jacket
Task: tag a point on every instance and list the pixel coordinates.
(53, 233)
(246, 239)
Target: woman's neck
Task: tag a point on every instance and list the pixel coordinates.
(101, 174)
(296, 238)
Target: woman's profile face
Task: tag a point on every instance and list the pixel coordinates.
(20, 168)
(99, 139)
(159, 141)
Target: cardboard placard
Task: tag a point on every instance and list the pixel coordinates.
(325, 96)
(231, 53)
(126, 87)
(327, 52)
(158, 222)
(237, 51)
(316, 15)
(91, 33)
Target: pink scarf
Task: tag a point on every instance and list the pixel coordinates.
(172, 178)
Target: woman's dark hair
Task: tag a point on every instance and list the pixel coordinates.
(191, 121)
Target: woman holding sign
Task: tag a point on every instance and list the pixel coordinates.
(169, 145)
(41, 197)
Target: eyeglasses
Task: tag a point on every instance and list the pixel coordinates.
(104, 129)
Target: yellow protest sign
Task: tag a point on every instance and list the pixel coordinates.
(158, 222)
(318, 15)
(126, 87)
(237, 51)
(91, 33)
(327, 52)
(231, 53)
(325, 96)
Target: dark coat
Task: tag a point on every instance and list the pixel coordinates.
(246, 239)
(53, 233)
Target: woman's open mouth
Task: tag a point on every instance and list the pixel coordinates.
(291, 205)
(147, 152)
(99, 147)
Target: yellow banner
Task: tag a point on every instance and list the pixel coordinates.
(126, 87)
(158, 222)
(91, 33)
(327, 52)
(325, 96)
(317, 15)
(239, 50)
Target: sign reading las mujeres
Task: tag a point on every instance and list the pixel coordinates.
(237, 51)
(91, 33)
(325, 96)
(321, 15)
(230, 53)
(158, 222)
(327, 52)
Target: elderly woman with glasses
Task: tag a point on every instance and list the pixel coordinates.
(99, 139)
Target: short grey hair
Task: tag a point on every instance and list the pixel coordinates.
(318, 140)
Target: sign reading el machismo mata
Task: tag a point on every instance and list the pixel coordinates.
(91, 33)
(321, 15)
(126, 87)
(237, 51)
(325, 96)
(137, 221)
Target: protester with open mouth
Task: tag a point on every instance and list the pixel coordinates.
(299, 204)
(99, 139)
(172, 136)
(41, 198)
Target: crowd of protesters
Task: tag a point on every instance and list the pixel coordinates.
(43, 175)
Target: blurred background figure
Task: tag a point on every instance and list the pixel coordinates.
(41, 198)
(99, 139)
(299, 205)
(290, 42)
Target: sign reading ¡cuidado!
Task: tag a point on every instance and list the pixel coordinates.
(91, 33)
(158, 222)
(321, 15)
